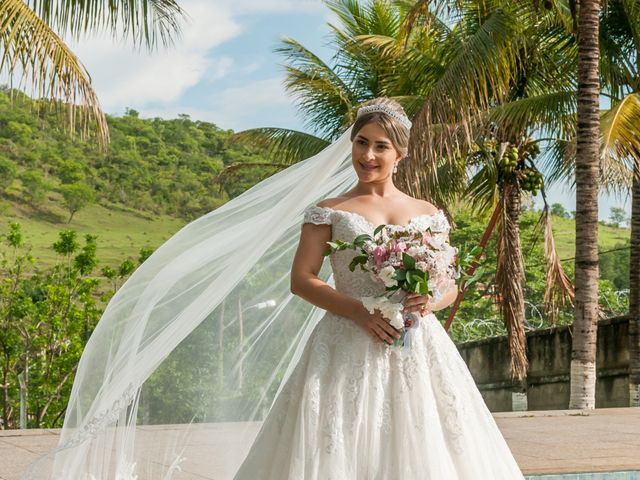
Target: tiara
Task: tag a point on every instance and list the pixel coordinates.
(379, 107)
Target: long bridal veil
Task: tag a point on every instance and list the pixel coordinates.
(191, 351)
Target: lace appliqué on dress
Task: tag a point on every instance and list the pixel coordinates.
(317, 215)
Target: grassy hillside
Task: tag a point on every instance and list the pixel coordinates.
(121, 232)
(564, 232)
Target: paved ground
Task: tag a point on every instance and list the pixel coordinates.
(542, 442)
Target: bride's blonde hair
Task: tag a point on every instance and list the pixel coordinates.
(398, 133)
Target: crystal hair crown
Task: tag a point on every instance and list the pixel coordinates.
(379, 107)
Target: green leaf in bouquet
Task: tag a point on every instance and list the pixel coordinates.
(361, 239)
(339, 245)
(408, 260)
(418, 274)
(378, 229)
(400, 274)
(358, 260)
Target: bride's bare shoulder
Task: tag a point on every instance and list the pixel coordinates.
(331, 202)
(424, 207)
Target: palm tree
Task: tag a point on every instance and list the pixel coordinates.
(31, 47)
(528, 88)
(583, 353)
(619, 127)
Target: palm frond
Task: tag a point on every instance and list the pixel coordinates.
(285, 146)
(431, 13)
(476, 75)
(150, 23)
(557, 161)
(620, 128)
(322, 96)
(632, 14)
(363, 65)
(483, 190)
(558, 286)
(421, 67)
(551, 113)
(33, 50)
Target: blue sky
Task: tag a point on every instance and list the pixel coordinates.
(224, 70)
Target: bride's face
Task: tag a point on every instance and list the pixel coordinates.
(372, 153)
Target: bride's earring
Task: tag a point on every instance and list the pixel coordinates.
(395, 168)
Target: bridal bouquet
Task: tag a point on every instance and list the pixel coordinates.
(405, 259)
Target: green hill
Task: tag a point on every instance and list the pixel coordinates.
(155, 176)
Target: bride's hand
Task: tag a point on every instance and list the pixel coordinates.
(414, 302)
(377, 326)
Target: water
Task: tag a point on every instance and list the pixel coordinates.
(620, 475)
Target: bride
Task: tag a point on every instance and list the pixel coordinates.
(354, 408)
(234, 351)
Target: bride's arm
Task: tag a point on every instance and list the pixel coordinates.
(304, 275)
(306, 284)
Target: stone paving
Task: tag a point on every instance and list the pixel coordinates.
(543, 442)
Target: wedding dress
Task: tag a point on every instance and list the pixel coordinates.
(356, 409)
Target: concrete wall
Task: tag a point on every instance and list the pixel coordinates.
(549, 353)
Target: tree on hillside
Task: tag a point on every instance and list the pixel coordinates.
(8, 172)
(559, 210)
(618, 216)
(76, 196)
(31, 46)
(34, 187)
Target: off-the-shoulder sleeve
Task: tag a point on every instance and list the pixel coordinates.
(317, 215)
(440, 223)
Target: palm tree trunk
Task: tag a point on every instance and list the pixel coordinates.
(510, 284)
(634, 290)
(583, 353)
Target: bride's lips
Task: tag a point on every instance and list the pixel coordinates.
(368, 168)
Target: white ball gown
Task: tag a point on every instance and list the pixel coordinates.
(356, 409)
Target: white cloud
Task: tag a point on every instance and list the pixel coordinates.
(156, 84)
(262, 103)
(240, 105)
(125, 77)
(273, 6)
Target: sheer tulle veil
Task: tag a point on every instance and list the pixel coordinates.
(191, 351)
